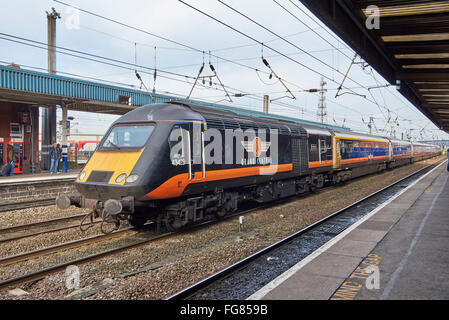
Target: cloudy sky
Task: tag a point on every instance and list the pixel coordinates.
(311, 50)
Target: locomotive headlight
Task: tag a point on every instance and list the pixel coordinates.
(132, 178)
(82, 175)
(120, 178)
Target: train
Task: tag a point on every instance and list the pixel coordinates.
(179, 164)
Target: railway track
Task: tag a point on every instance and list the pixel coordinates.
(26, 204)
(28, 230)
(147, 239)
(63, 246)
(200, 289)
(70, 245)
(94, 239)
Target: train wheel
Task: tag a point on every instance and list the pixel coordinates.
(174, 223)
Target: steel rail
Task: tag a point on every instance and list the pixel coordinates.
(44, 272)
(50, 270)
(26, 204)
(23, 236)
(40, 223)
(63, 246)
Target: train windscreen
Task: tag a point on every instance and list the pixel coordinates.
(127, 136)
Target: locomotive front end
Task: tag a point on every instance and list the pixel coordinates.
(114, 178)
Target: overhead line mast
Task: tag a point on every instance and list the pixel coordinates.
(322, 110)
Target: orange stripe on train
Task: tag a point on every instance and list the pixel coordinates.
(174, 187)
(316, 164)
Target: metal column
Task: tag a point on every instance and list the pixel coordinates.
(49, 114)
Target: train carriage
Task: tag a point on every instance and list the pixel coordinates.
(422, 151)
(360, 153)
(400, 153)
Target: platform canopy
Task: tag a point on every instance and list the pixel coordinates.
(410, 47)
(43, 89)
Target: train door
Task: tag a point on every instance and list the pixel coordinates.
(390, 150)
(336, 152)
(197, 159)
(319, 150)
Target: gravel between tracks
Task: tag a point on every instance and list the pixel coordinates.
(36, 214)
(170, 265)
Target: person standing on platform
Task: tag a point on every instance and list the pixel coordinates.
(54, 157)
(11, 153)
(59, 149)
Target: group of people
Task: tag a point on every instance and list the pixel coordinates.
(11, 157)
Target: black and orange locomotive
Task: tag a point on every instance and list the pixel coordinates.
(179, 163)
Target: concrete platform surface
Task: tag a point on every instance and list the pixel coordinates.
(398, 251)
(35, 177)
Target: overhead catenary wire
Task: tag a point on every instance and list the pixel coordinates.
(322, 27)
(253, 69)
(169, 40)
(275, 50)
(127, 65)
(186, 77)
(183, 45)
(157, 36)
(280, 37)
(311, 29)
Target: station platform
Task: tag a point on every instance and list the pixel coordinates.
(38, 177)
(398, 251)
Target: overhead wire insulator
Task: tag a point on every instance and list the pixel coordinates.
(216, 75)
(196, 79)
(143, 84)
(265, 62)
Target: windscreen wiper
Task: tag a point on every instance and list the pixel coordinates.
(114, 145)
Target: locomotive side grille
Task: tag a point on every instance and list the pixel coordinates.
(295, 158)
(295, 131)
(230, 124)
(284, 130)
(214, 123)
(300, 154)
(303, 154)
(245, 125)
(100, 176)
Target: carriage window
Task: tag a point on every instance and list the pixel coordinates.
(128, 136)
(347, 146)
